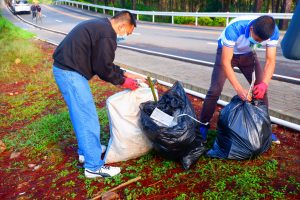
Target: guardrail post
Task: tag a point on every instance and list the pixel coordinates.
(137, 16)
(227, 19)
(153, 19)
(103, 11)
(88, 8)
(196, 21)
(172, 18)
(77, 5)
(82, 6)
(95, 9)
(113, 11)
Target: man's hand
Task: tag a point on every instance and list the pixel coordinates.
(130, 83)
(243, 94)
(134, 76)
(259, 90)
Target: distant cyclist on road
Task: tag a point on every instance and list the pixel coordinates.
(36, 10)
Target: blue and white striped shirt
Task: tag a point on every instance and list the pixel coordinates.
(236, 35)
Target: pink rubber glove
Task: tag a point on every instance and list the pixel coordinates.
(130, 83)
(259, 90)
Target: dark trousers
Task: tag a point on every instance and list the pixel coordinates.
(245, 63)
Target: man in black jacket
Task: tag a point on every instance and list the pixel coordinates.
(88, 50)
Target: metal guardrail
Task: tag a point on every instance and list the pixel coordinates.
(226, 15)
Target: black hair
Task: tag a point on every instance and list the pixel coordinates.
(123, 16)
(264, 27)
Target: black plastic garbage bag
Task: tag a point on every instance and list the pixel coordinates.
(244, 130)
(179, 142)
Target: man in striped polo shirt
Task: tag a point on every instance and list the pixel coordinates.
(236, 47)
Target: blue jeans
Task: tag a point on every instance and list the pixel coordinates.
(78, 97)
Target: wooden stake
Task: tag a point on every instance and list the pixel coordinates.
(152, 88)
(118, 187)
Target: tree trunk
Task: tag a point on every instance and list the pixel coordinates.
(227, 4)
(268, 6)
(277, 6)
(123, 3)
(106, 2)
(257, 6)
(286, 8)
(133, 4)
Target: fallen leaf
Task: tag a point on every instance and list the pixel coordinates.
(22, 184)
(2, 146)
(18, 60)
(31, 165)
(110, 196)
(22, 193)
(36, 167)
(14, 155)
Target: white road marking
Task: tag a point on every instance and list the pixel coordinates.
(58, 20)
(213, 43)
(136, 33)
(44, 15)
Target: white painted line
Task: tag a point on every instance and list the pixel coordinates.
(167, 55)
(136, 34)
(192, 60)
(213, 43)
(58, 20)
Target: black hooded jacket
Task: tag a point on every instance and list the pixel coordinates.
(89, 49)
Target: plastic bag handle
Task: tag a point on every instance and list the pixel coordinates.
(253, 77)
(192, 119)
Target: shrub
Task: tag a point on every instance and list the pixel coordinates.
(184, 20)
(205, 21)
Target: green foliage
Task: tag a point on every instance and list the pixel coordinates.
(184, 20)
(182, 196)
(9, 31)
(48, 130)
(215, 21)
(149, 190)
(16, 44)
(41, 133)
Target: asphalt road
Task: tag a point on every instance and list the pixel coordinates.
(192, 42)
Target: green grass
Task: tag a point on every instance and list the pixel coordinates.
(16, 45)
(46, 131)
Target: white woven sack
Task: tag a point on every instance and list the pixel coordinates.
(127, 140)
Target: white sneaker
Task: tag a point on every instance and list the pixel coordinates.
(104, 171)
(81, 157)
